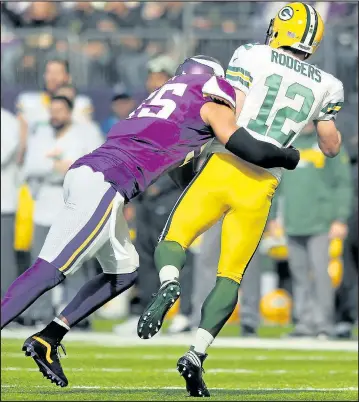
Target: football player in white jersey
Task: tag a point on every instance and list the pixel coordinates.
(278, 93)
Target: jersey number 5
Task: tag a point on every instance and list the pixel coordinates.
(157, 99)
(274, 131)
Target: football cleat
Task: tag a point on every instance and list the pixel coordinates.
(152, 318)
(190, 367)
(45, 353)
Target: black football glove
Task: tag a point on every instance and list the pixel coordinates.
(293, 157)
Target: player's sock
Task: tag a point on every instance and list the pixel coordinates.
(203, 340)
(35, 281)
(96, 293)
(56, 330)
(219, 305)
(169, 259)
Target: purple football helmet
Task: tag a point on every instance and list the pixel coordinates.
(201, 65)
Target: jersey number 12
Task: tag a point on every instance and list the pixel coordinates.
(274, 131)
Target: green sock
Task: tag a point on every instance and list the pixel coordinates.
(219, 305)
(169, 260)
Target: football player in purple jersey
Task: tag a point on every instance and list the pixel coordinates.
(165, 132)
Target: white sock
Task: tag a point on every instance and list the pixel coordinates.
(203, 340)
(60, 322)
(168, 273)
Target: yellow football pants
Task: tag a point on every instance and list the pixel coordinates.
(231, 187)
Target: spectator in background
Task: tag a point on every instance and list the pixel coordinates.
(121, 104)
(347, 300)
(80, 17)
(52, 147)
(174, 13)
(154, 15)
(33, 107)
(91, 130)
(36, 43)
(210, 17)
(347, 295)
(124, 15)
(10, 140)
(98, 52)
(11, 48)
(11, 13)
(316, 205)
(15, 10)
(160, 70)
(41, 14)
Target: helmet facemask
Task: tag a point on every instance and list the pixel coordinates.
(269, 32)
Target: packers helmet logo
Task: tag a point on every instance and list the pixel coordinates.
(286, 13)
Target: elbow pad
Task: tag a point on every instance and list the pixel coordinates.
(261, 153)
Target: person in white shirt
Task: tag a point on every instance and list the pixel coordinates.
(10, 135)
(51, 150)
(91, 128)
(33, 106)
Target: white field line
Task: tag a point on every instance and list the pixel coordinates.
(209, 371)
(85, 387)
(111, 340)
(111, 356)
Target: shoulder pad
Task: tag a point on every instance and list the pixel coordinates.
(249, 46)
(220, 89)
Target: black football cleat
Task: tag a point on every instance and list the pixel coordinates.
(192, 373)
(45, 353)
(152, 318)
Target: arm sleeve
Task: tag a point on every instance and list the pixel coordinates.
(332, 103)
(342, 185)
(10, 138)
(261, 153)
(239, 68)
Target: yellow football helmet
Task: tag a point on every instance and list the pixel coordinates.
(276, 307)
(298, 26)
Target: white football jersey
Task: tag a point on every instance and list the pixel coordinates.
(283, 94)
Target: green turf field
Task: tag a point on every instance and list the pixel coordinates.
(148, 373)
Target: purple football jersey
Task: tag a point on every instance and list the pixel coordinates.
(162, 132)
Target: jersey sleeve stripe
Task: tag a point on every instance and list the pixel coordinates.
(237, 78)
(332, 107)
(333, 111)
(238, 71)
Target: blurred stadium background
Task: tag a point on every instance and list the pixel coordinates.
(116, 53)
